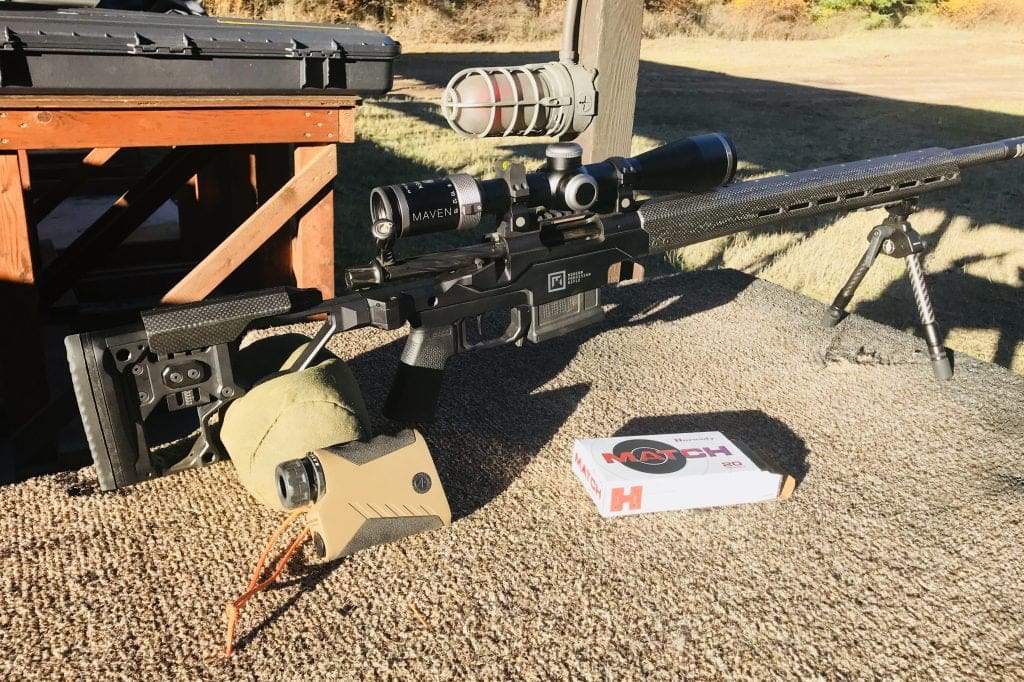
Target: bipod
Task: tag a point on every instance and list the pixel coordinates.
(896, 238)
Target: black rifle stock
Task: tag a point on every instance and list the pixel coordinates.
(545, 271)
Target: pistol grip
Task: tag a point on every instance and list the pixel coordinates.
(417, 383)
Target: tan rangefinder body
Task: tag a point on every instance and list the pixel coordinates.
(366, 493)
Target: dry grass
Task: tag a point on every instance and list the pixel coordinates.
(971, 13)
(755, 19)
(447, 21)
(436, 22)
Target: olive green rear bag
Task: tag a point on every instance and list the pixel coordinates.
(289, 415)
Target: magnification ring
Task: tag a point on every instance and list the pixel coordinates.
(467, 192)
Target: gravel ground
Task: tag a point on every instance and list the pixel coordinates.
(897, 556)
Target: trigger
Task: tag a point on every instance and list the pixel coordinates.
(518, 326)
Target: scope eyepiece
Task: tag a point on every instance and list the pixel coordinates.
(451, 203)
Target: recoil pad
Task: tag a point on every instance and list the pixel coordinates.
(366, 493)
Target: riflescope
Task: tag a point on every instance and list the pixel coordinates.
(460, 202)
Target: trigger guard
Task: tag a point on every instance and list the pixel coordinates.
(518, 327)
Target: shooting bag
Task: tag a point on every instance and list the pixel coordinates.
(95, 51)
(289, 415)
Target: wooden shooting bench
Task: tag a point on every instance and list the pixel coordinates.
(229, 163)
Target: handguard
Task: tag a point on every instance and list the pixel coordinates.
(366, 493)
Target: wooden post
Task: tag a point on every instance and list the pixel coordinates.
(313, 247)
(610, 43)
(219, 199)
(310, 181)
(224, 197)
(274, 167)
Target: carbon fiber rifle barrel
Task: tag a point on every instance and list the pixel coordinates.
(990, 152)
(680, 220)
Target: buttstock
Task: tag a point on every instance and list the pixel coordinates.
(178, 328)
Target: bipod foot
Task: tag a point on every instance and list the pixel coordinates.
(936, 350)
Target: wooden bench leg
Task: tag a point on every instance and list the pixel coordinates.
(313, 247)
(273, 261)
(219, 199)
(624, 272)
(22, 361)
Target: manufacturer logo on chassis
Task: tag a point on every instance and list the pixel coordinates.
(556, 281)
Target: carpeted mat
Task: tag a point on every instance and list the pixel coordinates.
(899, 554)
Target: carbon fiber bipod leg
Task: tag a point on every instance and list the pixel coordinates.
(936, 351)
(896, 238)
(837, 311)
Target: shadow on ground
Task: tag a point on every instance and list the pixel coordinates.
(953, 289)
(487, 397)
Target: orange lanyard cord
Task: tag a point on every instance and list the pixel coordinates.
(233, 608)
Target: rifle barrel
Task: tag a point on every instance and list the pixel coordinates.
(990, 152)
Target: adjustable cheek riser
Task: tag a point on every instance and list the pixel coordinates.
(367, 494)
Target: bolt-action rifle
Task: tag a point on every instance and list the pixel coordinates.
(559, 231)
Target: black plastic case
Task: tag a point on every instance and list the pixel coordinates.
(109, 52)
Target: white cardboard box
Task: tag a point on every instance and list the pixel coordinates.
(641, 474)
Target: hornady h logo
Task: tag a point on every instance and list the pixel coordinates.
(655, 457)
